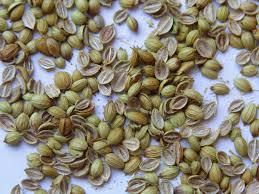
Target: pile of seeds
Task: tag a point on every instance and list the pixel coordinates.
(156, 101)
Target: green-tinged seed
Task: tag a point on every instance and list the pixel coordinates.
(72, 97)
(190, 154)
(49, 171)
(151, 177)
(76, 189)
(41, 101)
(194, 112)
(209, 151)
(178, 119)
(114, 161)
(192, 37)
(153, 43)
(78, 17)
(132, 165)
(17, 108)
(243, 85)
(168, 91)
(16, 11)
(249, 71)
(248, 40)
(236, 132)
(234, 118)
(153, 151)
(122, 54)
(213, 64)
(47, 6)
(110, 111)
(78, 144)
(211, 74)
(5, 107)
(222, 13)
(247, 176)
(169, 172)
(3, 25)
(81, 5)
(248, 23)
(224, 184)
(94, 7)
(195, 167)
(96, 169)
(33, 160)
(103, 129)
(187, 54)
(13, 138)
(203, 25)
(150, 83)
(194, 142)
(150, 190)
(132, 24)
(184, 188)
(254, 128)
(40, 191)
(235, 41)
(241, 146)
(115, 136)
(215, 174)
(185, 168)
(137, 117)
(118, 121)
(60, 62)
(220, 89)
(248, 114)
(254, 169)
(44, 150)
(127, 4)
(22, 122)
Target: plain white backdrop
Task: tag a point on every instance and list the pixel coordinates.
(13, 159)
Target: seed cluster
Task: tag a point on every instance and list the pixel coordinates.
(156, 99)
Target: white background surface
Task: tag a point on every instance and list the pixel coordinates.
(13, 159)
